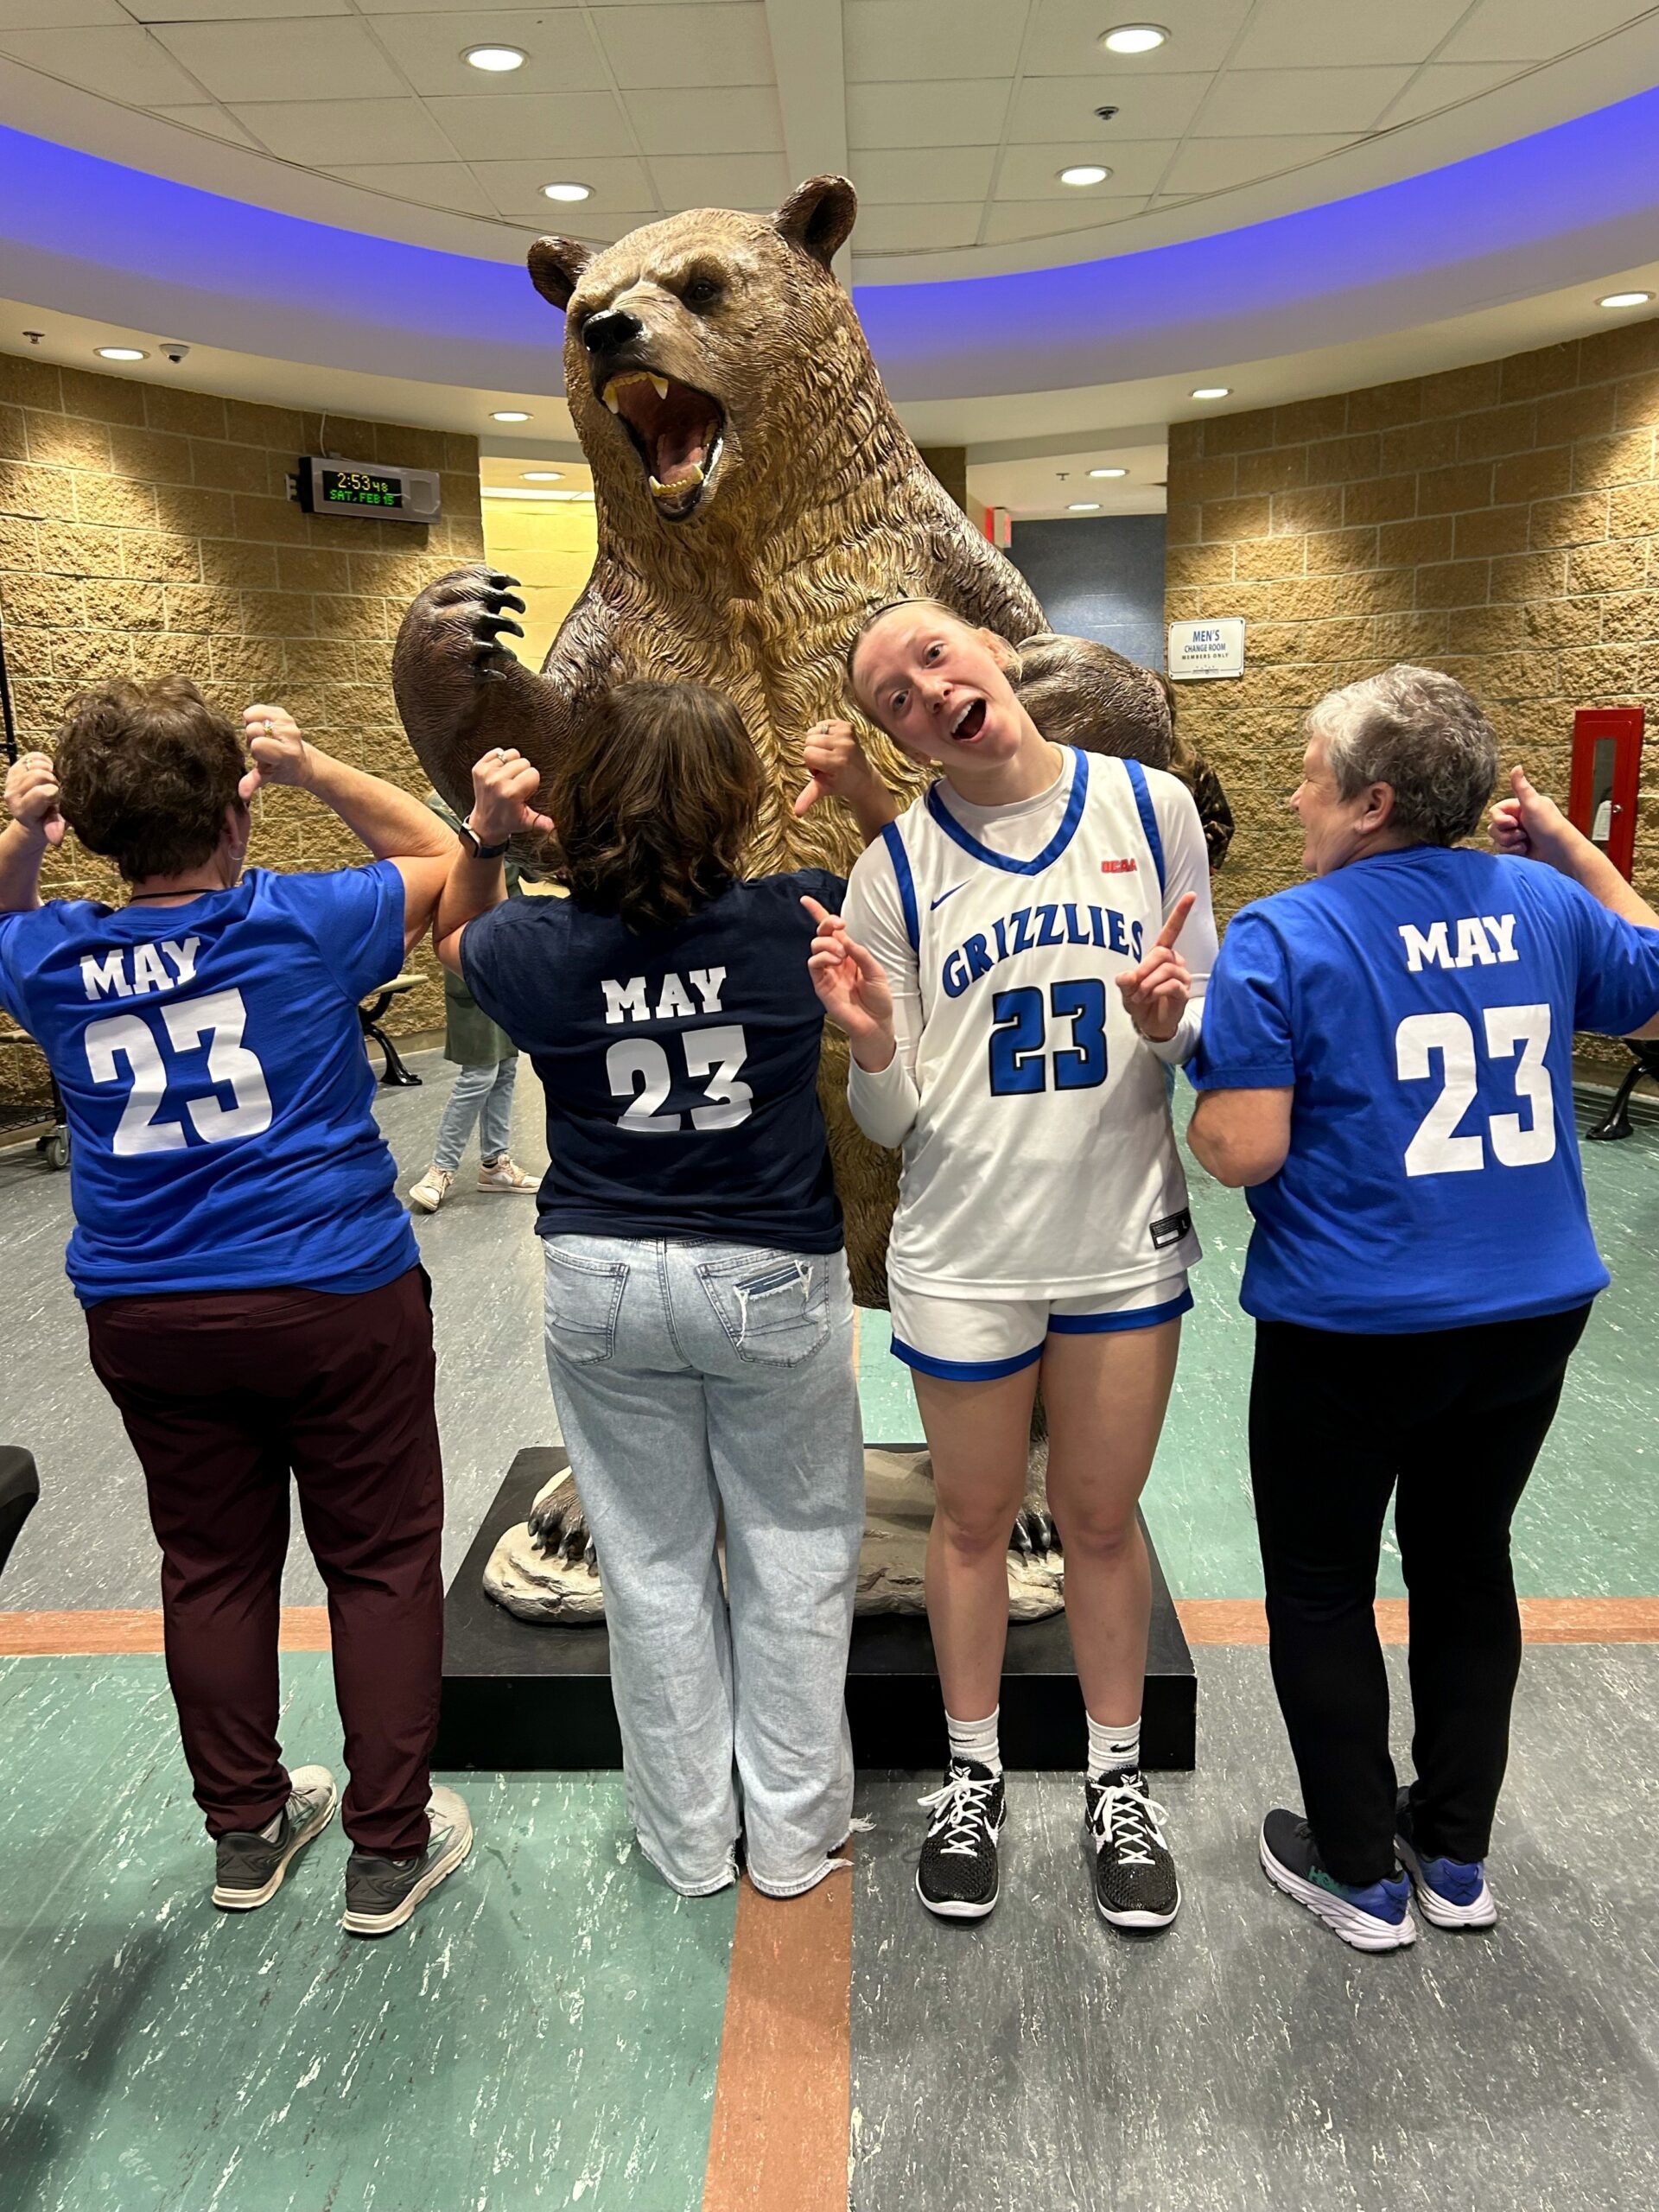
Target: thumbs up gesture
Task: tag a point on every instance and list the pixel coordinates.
(1530, 826)
(1155, 993)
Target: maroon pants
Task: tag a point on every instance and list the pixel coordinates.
(222, 1395)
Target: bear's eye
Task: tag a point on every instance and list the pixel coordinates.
(701, 292)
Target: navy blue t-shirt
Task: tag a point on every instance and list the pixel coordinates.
(1421, 1004)
(680, 1065)
(219, 1100)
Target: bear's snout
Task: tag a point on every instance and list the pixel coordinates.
(609, 332)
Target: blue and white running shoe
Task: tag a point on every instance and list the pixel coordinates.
(1375, 1918)
(1452, 1891)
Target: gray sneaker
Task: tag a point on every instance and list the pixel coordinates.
(250, 1867)
(381, 1894)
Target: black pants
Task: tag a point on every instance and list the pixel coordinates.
(1453, 1418)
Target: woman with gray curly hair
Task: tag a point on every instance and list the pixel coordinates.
(1385, 1067)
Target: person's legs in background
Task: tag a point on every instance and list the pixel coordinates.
(473, 1085)
(773, 1334)
(496, 1170)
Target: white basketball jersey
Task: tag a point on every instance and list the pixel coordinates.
(1043, 1161)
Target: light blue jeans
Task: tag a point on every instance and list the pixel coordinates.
(695, 1380)
(482, 1094)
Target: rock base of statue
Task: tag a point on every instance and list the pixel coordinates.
(526, 1668)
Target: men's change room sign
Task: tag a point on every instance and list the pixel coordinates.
(1212, 648)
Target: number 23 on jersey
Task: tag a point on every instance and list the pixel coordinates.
(1437, 1149)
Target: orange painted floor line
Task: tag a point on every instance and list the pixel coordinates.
(783, 2093)
(1543, 1620)
(304, 1628)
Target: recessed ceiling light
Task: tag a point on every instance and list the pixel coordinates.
(566, 192)
(1108, 471)
(500, 61)
(509, 415)
(122, 353)
(542, 475)
(1084, 507)
(1085, 173)
(1624, 300)
(1133, 38)
(1213, 391)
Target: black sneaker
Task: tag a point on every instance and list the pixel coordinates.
(249, 1867)
(1135, 1885)
(1375, 1918)
(957, 1877)
(381, 1894)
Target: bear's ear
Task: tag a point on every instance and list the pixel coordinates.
(818, 217)
(555, 267)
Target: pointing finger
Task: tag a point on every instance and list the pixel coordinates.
(1177, 922)
(810, 794)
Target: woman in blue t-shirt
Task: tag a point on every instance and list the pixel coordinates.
(699, 1316)
(1386, 1066)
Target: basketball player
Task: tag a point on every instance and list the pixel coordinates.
(1008, 975)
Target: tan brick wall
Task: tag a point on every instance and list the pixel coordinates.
(145, 527)
(1499, 522)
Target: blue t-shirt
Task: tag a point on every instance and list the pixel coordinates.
(1422, 1005)
(680, 1065)
(218, 1098)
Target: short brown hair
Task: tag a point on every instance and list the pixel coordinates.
(654, 800)
(145, 773)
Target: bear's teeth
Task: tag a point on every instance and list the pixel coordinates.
(610, 399)
(691, 483)
(660, 385)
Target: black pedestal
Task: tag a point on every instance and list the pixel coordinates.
(522, 1695)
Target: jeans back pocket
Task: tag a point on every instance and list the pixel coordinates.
(774, 1306)
(583, 1297)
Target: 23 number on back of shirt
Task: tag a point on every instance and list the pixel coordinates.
(1437, 1149)
(138, 1040)
(638, 1069)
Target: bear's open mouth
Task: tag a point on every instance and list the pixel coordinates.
(677, 432)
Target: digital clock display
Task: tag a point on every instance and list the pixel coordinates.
(356, 487)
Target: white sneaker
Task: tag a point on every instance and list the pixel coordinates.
(432, 1189)
(504, 1175)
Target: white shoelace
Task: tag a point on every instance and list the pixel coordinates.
(1123, 1816)
(961, 1811)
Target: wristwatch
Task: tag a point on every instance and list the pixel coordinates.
(480, 852)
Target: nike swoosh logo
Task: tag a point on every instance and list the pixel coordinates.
(944, 895)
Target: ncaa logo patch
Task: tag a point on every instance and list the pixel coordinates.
(1119, 868)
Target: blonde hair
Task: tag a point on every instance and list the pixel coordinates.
(1011, 667)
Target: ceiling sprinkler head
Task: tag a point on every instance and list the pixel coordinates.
(1105, 113)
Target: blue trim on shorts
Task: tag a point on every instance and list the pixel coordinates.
(1100, 1325)
(895, 844)
(964, 1370)
(1148, 817)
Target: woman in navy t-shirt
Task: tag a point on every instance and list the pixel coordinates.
(699, 1316)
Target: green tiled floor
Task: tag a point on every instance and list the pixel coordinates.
(544, 2034)
(1589, 1524)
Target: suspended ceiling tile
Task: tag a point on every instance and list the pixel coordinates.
(1261, 103)
(58, 15)
(740, 120)
(723, 180)
(333, 58)
(1446, 83)
(928, 227)
(550, 127)
(963, 112)
(327, 132)
(1533, 30)
(1065, 37)
(1217, 164)
(428, 49)
(432, 184)
(1050, 108)
(122, 65)
(231, 11)
(1012, 222)
(930, 174)
(918, 42)
(676, 45)
(1307, 33)
(618, 181)
(604, 228)
(1032, 172)
(217, 122)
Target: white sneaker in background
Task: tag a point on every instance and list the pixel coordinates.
(434, 1187)
(504, 1174)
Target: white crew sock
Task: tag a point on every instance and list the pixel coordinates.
(975, 1739)
(1113, 1749)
